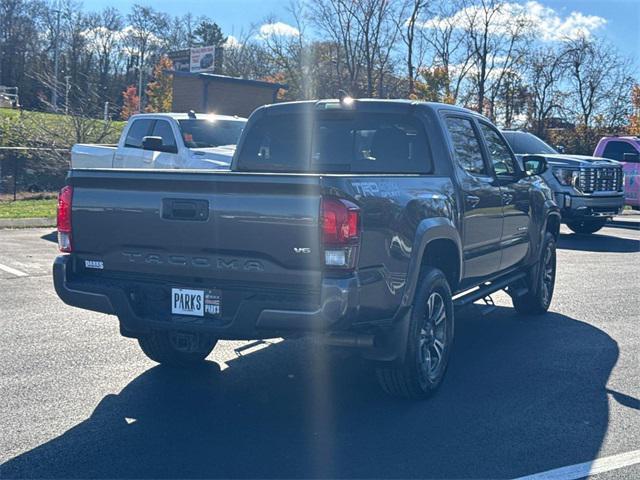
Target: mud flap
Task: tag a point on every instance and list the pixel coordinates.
(391, 343)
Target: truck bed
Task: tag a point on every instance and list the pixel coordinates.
(84, 155)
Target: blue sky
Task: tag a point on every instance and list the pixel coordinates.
(622, 17)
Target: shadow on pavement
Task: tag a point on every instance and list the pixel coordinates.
(598, 243)
(51, 237)
(624, 225)
(521, 396)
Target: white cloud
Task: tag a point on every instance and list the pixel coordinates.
(232, 42)
(544, 23)
(278, 28)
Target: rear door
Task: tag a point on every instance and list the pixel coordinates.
(482, 200)
(515, 197)
(131, 154)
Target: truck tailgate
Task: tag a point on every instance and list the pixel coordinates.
(223, 229)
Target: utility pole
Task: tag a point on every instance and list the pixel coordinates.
(56, 60)
(66, 94)
(140, 89)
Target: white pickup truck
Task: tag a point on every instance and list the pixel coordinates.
(166, 140)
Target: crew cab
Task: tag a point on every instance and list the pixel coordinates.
(625, 150)
(356, 221)
(166, 140)
(589, 190)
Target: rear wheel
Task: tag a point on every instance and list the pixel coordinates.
(540, 282)
(177, 349)
(428, 344)
(590, 225)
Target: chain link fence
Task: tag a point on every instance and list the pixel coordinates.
(32, 170)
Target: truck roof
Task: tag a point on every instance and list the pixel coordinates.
(185, 116)
(383, 104)
(623, 137)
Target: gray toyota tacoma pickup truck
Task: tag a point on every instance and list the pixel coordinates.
(363, 222)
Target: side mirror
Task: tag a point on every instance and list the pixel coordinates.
(534, 165)
(560, 148)
(152, 143)
(631, 157)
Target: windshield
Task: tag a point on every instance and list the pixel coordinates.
(527, 144)
(204, 133)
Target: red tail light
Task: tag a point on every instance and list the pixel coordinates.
(340, 232)
(65, 198)
(340, 221)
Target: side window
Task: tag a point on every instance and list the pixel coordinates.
(138, 130)
(163, 129)
(466, 146)
(499, 153)
(615, 150)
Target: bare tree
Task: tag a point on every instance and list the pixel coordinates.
(600, 82)
(496, 37)
(374, 19)
(337, 19)
(407, 30)
(450, 46)
(145, 33)
(292, 55)
(544, 71)
(244, 57)
(104, 37)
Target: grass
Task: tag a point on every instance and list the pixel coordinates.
(43, 208)
(54, 129)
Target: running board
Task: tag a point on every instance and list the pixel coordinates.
(487, 289)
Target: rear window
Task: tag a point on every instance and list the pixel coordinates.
(336, 143)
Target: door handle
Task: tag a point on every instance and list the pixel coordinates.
(185, 209)
(472, 201)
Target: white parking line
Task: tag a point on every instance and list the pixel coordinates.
(581, 470)
(13, 271)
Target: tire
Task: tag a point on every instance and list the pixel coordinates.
(430, 338)
(587, 226)
(540, 282)
(176, 349)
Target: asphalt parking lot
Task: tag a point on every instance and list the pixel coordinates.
(522, 395)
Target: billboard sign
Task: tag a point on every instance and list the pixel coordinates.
(202, 59)
(181, 60)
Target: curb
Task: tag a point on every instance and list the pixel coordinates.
(27, 222)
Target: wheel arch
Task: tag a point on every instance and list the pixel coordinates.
(552, 224)
(438, 245)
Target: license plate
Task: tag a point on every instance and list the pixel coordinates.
(196, 303)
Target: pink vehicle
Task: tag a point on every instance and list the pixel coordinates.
(627, 151)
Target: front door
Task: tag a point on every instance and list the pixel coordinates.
(481, 202)
(514, 189)
(167, 156)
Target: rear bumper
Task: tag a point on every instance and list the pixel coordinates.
(579, 207)
(335, 307)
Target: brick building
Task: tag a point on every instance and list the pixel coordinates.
(212, 93)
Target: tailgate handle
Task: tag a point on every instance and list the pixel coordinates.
(184, 209)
